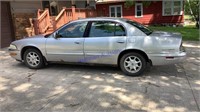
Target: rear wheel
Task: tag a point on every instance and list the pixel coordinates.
(133, 64)
(33, 59)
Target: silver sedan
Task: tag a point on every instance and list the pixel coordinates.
(113, 41)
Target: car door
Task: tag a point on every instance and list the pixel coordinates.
(68, 44)
(105, 41)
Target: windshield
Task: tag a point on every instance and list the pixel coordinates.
(143, 28)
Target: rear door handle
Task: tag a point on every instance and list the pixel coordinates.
(121, 42)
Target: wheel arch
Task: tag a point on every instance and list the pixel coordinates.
(135, 51)
(29, 47)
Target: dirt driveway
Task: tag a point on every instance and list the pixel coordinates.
(173, 88)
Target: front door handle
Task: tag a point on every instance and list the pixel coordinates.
(77, 42)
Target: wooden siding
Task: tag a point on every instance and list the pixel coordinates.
(62, 4)
(79, 4)
(25, 6)
(151, 14)
(7, 34)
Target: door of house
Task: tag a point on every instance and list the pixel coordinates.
(7, 32)
(52, 5)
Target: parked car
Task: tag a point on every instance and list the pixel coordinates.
(113, 41)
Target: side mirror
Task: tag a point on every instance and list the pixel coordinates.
(56, 35)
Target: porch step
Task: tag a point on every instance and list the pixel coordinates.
(50, 30)
(52, 19)
(50, 27)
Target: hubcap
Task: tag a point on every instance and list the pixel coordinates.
(132, 64)
(33, 59)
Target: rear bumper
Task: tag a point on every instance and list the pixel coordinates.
(165, 59)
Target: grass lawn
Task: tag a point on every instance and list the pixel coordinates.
(188, 32)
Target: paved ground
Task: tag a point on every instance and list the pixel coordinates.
(74, 88)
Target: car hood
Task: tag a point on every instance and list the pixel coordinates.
(35, 36)
(38, 40)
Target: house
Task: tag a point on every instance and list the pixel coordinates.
(167, 12)
(17, 16)
(23, 18)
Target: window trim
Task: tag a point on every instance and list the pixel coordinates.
(140, 4)
(172, 8)
(115, 6)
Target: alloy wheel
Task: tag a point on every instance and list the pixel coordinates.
(132, 64)
(33, 59)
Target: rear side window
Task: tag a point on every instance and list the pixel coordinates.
(106, 29)
(119, 30)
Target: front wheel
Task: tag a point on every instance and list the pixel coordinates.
(33, 59)
(133, 64)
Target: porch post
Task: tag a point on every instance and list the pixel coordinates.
(65, 15)
(38, 13)
(35, 25)
(73, 12)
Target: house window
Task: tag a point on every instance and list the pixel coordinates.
(116, 11)
(138, 10)
(172, 7)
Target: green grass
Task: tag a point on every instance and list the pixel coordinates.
(188, 17)
(188, 32)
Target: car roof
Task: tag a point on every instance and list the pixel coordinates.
(102, 18)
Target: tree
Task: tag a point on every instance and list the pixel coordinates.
(192, 8)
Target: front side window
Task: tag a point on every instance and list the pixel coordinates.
(106, 29)
(138, 10)
(172, 7)
(116, 11)
(73, 30)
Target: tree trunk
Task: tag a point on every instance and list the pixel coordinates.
(197, 22)
(191, 11)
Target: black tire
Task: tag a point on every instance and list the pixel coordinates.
(139, 64)
(37, 55)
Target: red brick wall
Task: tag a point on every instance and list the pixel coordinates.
(151, 14)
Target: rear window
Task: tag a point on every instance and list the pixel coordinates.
(143, 28)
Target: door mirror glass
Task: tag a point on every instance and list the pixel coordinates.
(57, 35)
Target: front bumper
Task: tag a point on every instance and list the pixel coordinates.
(15, 54)
(166, 59)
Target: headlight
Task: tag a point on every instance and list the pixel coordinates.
(12, 47)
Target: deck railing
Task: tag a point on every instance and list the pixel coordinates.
(69, 14)
(42, 23)
(39, 12)
(63, 17)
